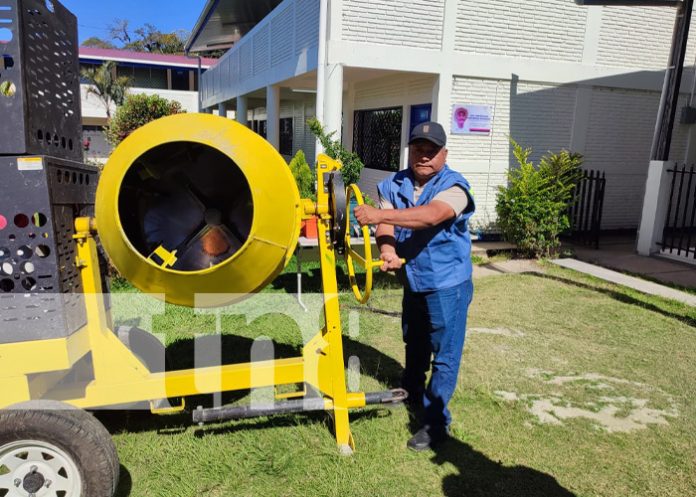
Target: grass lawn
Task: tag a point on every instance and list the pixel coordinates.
(569, 386)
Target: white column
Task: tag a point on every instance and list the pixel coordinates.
(348, 116)
(273, 115)
(333, 99)
(222, 109)
(442, 99)
(690, 157)
(652, 222)
(242, 110)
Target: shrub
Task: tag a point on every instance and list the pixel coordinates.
(303, 175)
(352, 165)
(533, 208)
(136, 111)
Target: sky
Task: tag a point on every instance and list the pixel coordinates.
(94, 16)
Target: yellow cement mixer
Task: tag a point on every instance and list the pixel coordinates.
(203, 211)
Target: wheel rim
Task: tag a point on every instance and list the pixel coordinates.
(30, 468)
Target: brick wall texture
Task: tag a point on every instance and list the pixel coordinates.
(416, 23)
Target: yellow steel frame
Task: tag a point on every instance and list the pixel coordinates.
(32, 370)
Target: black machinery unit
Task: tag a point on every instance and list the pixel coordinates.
(40, 287)
(39, 80)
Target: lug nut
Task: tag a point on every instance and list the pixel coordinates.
(48, 484)
(17, 482)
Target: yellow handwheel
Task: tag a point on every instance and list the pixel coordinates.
(366, 262)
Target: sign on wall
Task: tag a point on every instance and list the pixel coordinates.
(471, 119)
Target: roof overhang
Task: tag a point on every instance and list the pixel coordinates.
(223, 22)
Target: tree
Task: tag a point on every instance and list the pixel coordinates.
(150, 39)
(118, 30)
(146, 38)
(96, 42)
(136, 111)
(106, 85)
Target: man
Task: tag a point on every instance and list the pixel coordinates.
(423, 219)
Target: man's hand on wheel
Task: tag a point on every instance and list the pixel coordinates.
(366, 214)
(392, 262)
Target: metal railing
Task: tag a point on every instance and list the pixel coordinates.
(586, 211)
(679, 233)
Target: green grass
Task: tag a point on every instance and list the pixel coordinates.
(573, 341)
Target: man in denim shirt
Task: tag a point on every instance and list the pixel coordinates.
(423, 218)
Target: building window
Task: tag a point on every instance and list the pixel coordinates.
(259, 127)
(377, 137)
(180, 79)
(285, 136)
(144, 77)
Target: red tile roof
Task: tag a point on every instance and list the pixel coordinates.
(144, 57)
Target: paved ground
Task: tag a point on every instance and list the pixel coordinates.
(622, 279)
(619, 253)
(615, 257)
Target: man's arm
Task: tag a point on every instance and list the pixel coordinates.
(386, 241)
(416, 218)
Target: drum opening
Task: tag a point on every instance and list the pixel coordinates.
(185, 199)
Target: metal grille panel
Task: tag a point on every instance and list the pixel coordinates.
(588, 206)
(40, 286)
(679, 234)
(40, 76)
(377, 137)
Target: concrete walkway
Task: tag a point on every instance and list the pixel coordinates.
(625, 280)
(619, 253)
(514, 266)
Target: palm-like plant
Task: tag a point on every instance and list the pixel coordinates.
(106, 85)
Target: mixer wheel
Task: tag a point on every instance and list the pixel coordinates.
(52, 448)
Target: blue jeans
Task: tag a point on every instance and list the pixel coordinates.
(434, 327)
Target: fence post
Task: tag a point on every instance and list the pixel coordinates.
(655, 202)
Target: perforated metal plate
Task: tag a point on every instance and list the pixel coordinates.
(40, 287)
(39, 79)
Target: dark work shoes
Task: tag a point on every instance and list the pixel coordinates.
(428, 437)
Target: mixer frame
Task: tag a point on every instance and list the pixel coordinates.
(101, 371)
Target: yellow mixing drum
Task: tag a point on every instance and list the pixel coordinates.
(198, 204)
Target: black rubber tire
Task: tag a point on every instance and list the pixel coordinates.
(73, 430)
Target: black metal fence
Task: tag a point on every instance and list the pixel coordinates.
(679, 234)
(586, 211)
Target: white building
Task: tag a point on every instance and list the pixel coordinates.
(173, 77)
(554, 74)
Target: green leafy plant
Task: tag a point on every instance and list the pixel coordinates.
(369, 200)
(533, 208)
(303, 175)
(352, 165)
(136, 111)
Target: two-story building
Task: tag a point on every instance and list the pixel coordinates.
(549, 73)
(173, 77)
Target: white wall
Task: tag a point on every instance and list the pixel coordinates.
(557, 75)
(280, 47)
(300, 111)
(416, 23)
(92, 107)
(616, 138)
(541, 29)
